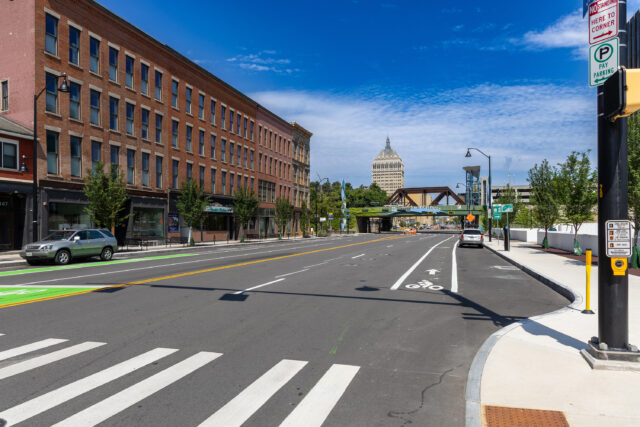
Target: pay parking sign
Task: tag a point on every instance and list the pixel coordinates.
(603, 61)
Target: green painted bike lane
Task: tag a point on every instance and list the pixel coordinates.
(88, 265)
(13, 296)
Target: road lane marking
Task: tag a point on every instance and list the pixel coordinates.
(454, 270)
(389, 246)
(293, 272)
(316, 406)
(208, 270)
(118, 402)
(240, 408)
(49, 400)
(414, 266)
(28, 348)
(36, 362)
(259, 286)
(357, 256)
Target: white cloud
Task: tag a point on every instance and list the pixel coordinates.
(263, 61)
(526, 123)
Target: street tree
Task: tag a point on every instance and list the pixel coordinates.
(544, 197)
(245, 206)
(508, 196)
(577, 184)
(191, 203)
(633, 160)
(304, 220)
(107, 196)
(283, 213)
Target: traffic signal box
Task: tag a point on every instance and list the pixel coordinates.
(622, 93)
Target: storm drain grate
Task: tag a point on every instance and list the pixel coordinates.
(502, 416)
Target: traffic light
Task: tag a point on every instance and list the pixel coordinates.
(622, 93)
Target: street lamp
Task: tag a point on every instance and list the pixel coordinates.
(489, 190)
(320, 180)
(64, 88)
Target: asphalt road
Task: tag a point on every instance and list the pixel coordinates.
(349, 331)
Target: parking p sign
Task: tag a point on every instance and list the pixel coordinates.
(603, 61)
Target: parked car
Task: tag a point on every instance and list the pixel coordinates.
(63, 246)
(471, 236)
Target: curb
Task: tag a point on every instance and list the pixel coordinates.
(473, 407)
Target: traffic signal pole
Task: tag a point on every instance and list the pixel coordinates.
(613, 290)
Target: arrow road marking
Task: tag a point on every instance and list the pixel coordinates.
(414, 266)
(432, 272)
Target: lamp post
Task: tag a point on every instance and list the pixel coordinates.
(320, 180)
(64, 88)
(489, 190)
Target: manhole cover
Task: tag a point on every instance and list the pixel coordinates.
(502, 416)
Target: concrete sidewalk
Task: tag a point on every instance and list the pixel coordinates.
(536, 363)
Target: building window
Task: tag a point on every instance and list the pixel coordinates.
(115, 159)
(145, 169)
(158, 172)
(239, 156)
(252, 182)
(9, 159)
(52, 152)
(113, 113)
(213, 112)
(232, 179)
(130, 111)
(252, 152)
(96, 153)
(232, 147)
(201, 143)
(245, 127)
(128, 66)
(131, 166)
(174, 173)
(94, 55)
(213, 146)
(223, 179)
(74, 45)
(201, 106)
(260, 134)
(144, 79)
(5, 95)
(174, 93)
(174, 133)
(251, 130)
(231, 121)
(113, 64)
(246, 150)
(51, 36)
(75, 149)
(158, 128)
(74, 101)
(144, 124)
(189, 132)
(223, 113)
(94, 96)
(246, 181)
(239, 177)
(158, 83)
(213, 180)
(238, 120)
(260, 162)
(223, 150)
(189, 171)
(52, 93)
(201, 176)
(187, 97)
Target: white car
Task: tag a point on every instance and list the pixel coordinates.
(471, 236)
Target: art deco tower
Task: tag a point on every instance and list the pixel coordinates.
(387, 170)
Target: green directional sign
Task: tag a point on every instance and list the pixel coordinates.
(497, 211)
(507, 208)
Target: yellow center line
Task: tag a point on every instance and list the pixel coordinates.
(191, 273)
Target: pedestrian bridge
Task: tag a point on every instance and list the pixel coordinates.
(401, 211)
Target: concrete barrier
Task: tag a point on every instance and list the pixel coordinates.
(564, 241)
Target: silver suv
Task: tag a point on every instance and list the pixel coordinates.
(471, 236)
(63, 246)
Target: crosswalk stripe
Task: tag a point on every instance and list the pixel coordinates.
(130, 396)
(49, 400)
(317, 405)
(36, 362)
(23, 349)
(241, 407)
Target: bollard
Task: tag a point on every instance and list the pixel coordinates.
(587, 307)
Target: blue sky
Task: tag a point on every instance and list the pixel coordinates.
(508, 77)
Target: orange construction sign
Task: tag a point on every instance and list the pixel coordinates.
(471, 217)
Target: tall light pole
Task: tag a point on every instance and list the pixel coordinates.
(320, 180)
(489, 191)
(64, 88)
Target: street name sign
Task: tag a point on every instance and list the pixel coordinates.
(603, 20)
(619, 238)
(603, 61)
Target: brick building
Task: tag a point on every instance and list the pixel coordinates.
(301, 172)
(135, 103)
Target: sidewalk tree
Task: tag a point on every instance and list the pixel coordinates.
(304, 221)
(245, 206)
(508, 196)
(544, 197)
(633, 152)
(577, 183)
(283, 213)
(107, 196)
(191, 204)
